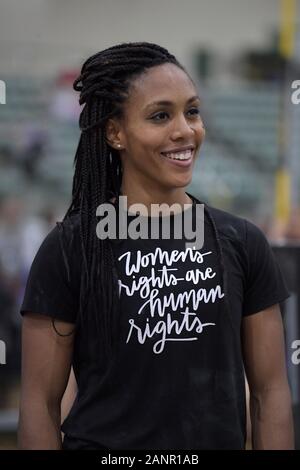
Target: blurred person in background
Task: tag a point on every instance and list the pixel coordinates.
(64, 105)
(171, 378)
(284, 232)
(11, 285)
(33, 150)
(20, 238)
(11, 211)
(7, 334)
(292, 232)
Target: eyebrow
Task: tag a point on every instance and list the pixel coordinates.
(169, 103)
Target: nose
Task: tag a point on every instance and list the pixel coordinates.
(182, 128)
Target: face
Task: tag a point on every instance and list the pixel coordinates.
(161, 130)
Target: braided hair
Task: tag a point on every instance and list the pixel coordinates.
(104, 86)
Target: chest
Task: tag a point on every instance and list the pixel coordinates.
(172, 294)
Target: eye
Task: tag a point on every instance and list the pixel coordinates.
(157, 116)
(195, 111)
(162, 114)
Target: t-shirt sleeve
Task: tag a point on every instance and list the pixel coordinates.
(265, 285)
(48, 289)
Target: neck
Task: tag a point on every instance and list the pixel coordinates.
(144, 196)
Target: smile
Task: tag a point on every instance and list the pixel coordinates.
(182, 158)
(183, 155)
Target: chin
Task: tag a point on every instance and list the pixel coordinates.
(183, 182)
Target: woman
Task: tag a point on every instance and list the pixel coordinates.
(158, 334)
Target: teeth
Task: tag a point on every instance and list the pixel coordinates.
(186, 155)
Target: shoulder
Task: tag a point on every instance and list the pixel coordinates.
(62, 243)
(228, 225)
(70, 225)
(62, 246)
(53, 283)
(67, 231)
(238, 229)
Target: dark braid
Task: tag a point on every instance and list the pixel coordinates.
(224, 277)
(104, 86)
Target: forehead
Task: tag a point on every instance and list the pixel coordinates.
(160, 83)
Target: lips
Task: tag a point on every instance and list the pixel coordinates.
(182, 158)
(181, 155)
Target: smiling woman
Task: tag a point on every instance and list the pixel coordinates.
(160, 366)
(160, 134)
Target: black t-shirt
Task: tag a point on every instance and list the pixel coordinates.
(177, 379)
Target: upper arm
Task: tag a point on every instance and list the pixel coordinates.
(264, 350)
(46, 359)
(69, 396)
(264, 283)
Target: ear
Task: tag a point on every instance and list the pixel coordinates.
(113, 134)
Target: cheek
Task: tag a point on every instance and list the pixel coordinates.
(142, 145)
(200, 131)
(150, 140)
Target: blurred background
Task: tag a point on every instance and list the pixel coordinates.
(244, 57)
